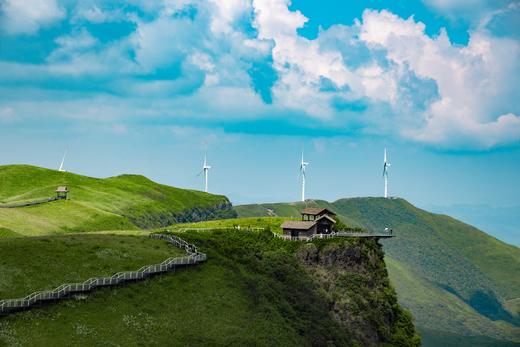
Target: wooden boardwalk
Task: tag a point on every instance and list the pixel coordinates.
(383, 235)
(193, 257)
(29, 203)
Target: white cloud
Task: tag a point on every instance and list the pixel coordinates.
(382, 74)
(27, 16)
(476, 83)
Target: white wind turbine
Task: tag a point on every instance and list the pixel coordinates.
(303, 167)
(62, 162)
(386, 165)
(205, 170)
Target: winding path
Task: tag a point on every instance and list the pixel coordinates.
(193, 257)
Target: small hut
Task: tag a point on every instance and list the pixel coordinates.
(314, 221)
(61, 192)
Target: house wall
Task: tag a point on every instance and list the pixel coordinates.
(325, 226)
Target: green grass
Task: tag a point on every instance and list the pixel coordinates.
(37, 263)
(452, 276)
(252, 291)
(270, 223)
(122, 202)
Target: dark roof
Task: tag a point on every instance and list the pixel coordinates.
(327, 217)
(298, 225)
(62, 189)
(314, 211)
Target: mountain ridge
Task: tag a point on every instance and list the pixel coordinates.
(472, 280)
(122, 202)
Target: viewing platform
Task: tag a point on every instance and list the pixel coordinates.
(388, 233)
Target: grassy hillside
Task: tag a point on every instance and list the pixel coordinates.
(270, 223)
(115, 203)
(457, 280)
(244, 295)
(39, 263)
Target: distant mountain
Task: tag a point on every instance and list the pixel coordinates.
(500, 222)
(462, 285)
(122, 202)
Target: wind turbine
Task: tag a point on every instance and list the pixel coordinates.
(205, 170)
(386, 164)
(303, 167)
(62, 162)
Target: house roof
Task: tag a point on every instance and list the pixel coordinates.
(62, 189)
(327, 217)
(314, 211)
(298, 225)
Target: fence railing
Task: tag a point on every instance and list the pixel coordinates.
(181, 230)
(385, 234)
(193, 257)
(29, 203)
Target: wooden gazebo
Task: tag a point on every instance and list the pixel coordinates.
(61, 192)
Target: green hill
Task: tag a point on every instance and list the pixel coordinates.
(254, 290)
(115, 203)
(457, 281)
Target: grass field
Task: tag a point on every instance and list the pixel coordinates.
(244, 295)
(117, 203)
(39, 263)
(269, 223)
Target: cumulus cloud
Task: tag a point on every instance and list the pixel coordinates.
(245, 59)
(476, 83)
(28, 16)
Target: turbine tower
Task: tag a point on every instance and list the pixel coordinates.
(62, 162)
(205, 169)
(386, 164)
(303, 167)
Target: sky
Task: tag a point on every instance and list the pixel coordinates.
(148, 86)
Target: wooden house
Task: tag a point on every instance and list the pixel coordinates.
(314, 221)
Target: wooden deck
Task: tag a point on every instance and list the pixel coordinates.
(384, 235)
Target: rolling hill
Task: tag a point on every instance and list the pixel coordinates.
(462, 286)
(244, 295)
(124, 202)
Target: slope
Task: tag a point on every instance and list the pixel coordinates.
(122, 202)
(456, 280)
(243, 295)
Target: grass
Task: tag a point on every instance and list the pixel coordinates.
(270, 223)
(117, 203)
(452, 276)
(39, 263)
(252, 291)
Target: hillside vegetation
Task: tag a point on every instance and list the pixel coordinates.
(124, 202)
(456, 280)
(40, 263)
(253, 290)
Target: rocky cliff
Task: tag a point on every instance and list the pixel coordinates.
(353, 278)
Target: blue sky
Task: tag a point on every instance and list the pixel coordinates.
(145, 86)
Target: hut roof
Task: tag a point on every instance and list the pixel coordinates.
(298, 225)
(314, 211)
(327, 217)
(62, 189)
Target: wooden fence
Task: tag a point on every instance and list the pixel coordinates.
(382, 235)
(29, 203)
(193, 257)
